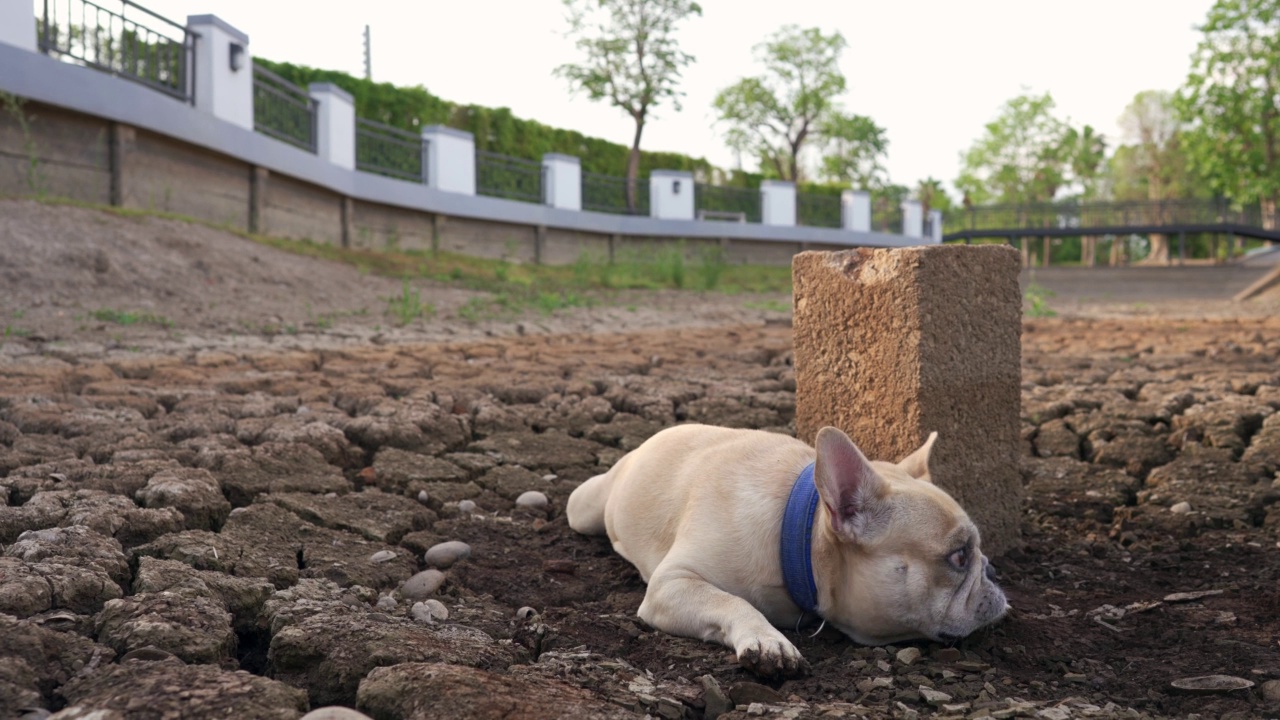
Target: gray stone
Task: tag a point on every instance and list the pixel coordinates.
(717, 703)
(908, 655)
(335, 712)
(422, 585)
(429, 611)
(745, 693)
(445, 554)
(387, 603)
(466, 506)
(382, 556)
(533, 500)
(933, 697)
(1271, 691)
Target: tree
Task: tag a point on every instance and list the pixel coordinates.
(1021, 158)
(1085, 152)
(855, 147)
(772, 116)
(933, 196)
(1150, 124)
(1231, 101)
(632, 59)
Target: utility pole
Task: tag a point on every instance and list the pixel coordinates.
(368, 51)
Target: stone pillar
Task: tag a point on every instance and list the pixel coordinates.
(562, 178)
(121, 141)
(891, 345)
(223, 70)
(855, 210)
(451, 159)
(778, 203)
(935, 226)
(335, 124)
(671, 195)
(912, 219)
(18, 24)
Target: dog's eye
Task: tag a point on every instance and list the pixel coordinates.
(959, 559)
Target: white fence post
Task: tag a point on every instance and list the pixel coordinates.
(935, 225)
(855, 210)
(778, 203)
(335, 124)
(18, 24)
(223, 70)
(912, 219)
(451, 159)
(563, 177)
(671, 195)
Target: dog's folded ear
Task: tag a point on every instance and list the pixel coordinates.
(917, 463)
(849, 486)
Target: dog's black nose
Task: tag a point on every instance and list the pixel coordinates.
(988, 570)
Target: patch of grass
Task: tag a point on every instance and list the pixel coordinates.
(1038, 297)
(126, 317)
(408, 305)
(769, 305)
(11, 331)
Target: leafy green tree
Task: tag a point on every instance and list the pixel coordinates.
(1231, 102)
(933, 196)
(772, 116)
(854, 150)
(1021, 157)
(1086, 153)
(631, 59)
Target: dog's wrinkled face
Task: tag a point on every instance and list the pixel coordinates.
(906, 560)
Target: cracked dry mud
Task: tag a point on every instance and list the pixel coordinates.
(209, 527)
(189, 533)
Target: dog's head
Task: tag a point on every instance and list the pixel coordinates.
(902, 559)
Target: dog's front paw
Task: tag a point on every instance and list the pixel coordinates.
(772, 657)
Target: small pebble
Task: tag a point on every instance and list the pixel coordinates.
(532, 499)
(933, 697)
(429, 611)
(443, 555)
(1181, 508)
(335, 712)
(525, 613)
(382, 556)
(423, 497)
(386, 603)
(549, 477)
(908, 655)
(422, 585)
(1271, 691)
(466, 506)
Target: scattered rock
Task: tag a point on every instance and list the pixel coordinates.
(466, 506)
(1181, 508)
(382, 556)
(422, 585)
(429, 612)
(335, 712)
(908, 655)
(933, 697)
(445, 554)
(1190, 596)
(745, 693)
(532, 500)
(1271, 691)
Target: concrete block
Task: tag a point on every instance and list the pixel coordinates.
(893, 344)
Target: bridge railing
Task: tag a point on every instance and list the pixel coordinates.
(1155, 213)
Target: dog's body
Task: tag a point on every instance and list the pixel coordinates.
(698, 510)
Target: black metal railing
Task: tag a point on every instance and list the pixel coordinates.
(1143, 213)
(608, 193)
(385, 150)
(508, 177)
(158, 54)
(816, 210)
(726, 203)
(886, 216)
(283, 110)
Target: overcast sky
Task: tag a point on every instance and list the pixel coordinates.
(932, 72)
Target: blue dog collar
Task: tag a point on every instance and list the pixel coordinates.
(797, 542)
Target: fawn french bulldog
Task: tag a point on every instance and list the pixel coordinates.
(739, 532)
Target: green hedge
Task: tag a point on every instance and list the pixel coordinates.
(496, 129)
